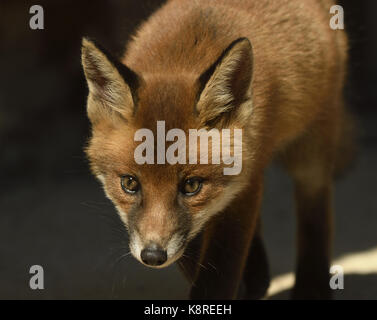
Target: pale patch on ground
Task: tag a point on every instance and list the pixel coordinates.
(357, 263)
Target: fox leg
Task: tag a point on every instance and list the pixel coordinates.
(219, 266)
(310, 160)
(257, 276)
(314, 242)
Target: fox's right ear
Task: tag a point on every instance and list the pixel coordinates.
(111, 84)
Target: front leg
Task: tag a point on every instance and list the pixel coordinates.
(225, 246)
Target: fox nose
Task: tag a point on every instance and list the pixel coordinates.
(153, 255)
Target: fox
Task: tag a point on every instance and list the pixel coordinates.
(274, 69)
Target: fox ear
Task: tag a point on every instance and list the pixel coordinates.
(111, 84)
(226, 84)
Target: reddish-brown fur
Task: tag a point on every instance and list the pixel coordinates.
(298, 69)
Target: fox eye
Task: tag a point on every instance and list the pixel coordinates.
(191, 186)
(130, 184)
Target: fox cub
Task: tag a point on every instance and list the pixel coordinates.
(273, 69)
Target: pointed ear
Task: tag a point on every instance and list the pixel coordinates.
(226, 84)
(111, 84)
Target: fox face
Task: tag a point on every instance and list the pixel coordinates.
(163, 205)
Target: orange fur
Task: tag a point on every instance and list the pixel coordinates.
(281, 82)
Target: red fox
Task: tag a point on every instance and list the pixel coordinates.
(274, 69)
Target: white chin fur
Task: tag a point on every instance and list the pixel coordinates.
(174, 249)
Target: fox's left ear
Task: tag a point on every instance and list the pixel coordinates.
(111, 84)
(226, 84)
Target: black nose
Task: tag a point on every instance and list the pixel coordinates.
(153, 255)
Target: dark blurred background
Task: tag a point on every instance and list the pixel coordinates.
(54, 214)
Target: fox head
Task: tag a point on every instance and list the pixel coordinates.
(164, 206)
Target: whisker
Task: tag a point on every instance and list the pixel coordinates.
(210, 264)
(113, 267)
